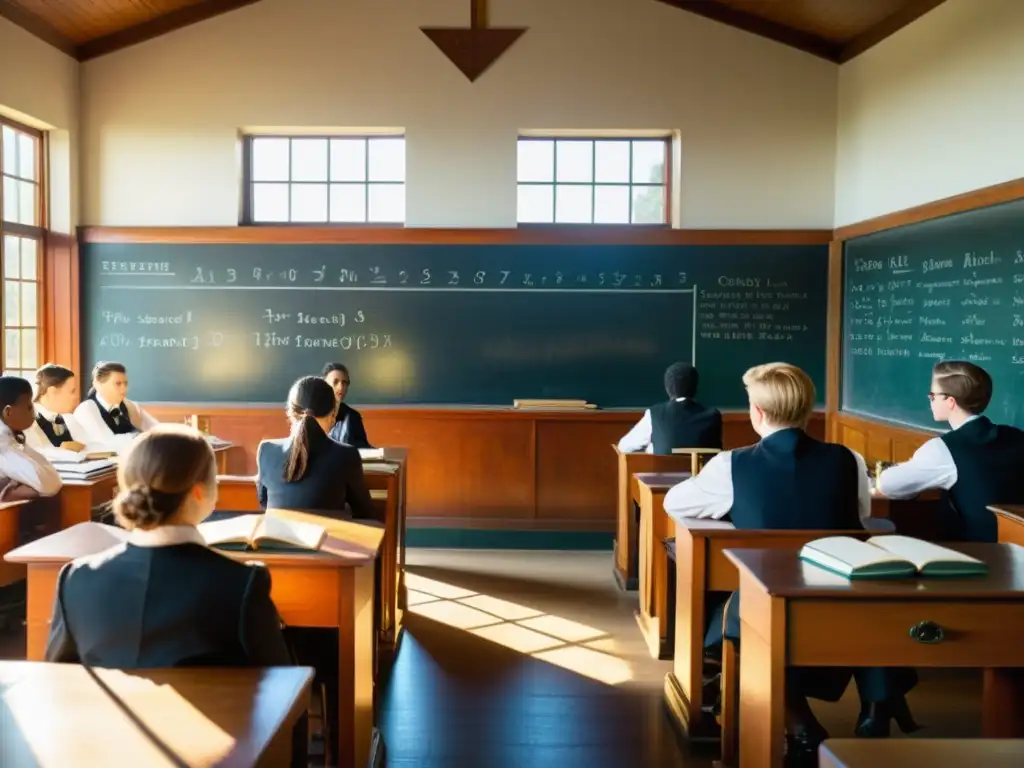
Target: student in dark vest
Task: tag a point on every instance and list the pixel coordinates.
(56, 397)
(679, 422)
(975, 464)
(348, 424)
(308, 470)
(24, 472)
(106, 414)
(789, 480)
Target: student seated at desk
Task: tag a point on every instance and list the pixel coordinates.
(24, 472)
(308, 470)
(679, 422)
(56, 398)
(975, 464)
(348, 424)
(106, 414)
(163, 599)
(789, 480)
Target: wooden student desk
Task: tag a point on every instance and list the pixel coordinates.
(655, 526)
(56, 715)
(626, 554)
(934, 753)
(309, 589)
(1010, 519)
(703, 572)
(794, 613)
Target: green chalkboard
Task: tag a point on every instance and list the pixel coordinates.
(464, 324)
(950, 288)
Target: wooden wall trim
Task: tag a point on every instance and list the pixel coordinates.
(979, 198)
(834, 331)
(887, 28)
(420, 236)
(61, 316)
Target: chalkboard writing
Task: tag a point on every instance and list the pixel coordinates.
(952, 288)
(450, 324)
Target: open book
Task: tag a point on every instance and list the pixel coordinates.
(888, 557)
(75, 453)
(252, 530)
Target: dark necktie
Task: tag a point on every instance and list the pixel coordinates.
(58, 426)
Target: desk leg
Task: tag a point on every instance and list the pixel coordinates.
(762, 665)
(389, 569)
(625, 552)
(1002, 706)
(645, 617)
(355, 736)
(659, 576)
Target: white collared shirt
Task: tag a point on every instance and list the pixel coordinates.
(931, 467)
(35, 436)
(709, 494)
(166, 536)
(96, 431)
(25, 465)
(638, 439)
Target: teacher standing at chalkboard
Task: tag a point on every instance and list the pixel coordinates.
(348, 424)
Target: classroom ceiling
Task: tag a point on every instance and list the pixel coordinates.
(836, 30)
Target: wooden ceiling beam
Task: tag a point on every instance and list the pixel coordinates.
(36, 26)
(891, 25)
(756, 25)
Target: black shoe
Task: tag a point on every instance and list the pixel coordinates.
(875, 718)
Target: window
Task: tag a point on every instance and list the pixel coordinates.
(324, 180)
(21, 235)
(593, 181)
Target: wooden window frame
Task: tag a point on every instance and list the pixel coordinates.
(248, 182)
(666, 184)
(36, 233)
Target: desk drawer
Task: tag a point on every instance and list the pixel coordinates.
(870, 632)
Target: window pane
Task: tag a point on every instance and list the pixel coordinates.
(536, 161)
(29, 350)
(611, 204)
(575, 160)
(10, 199)
(11, 259)
(536, 204)
(26, 156)
(348, 159)
(387, 163)
(309, 202)
(29, 312)
(648, 162)
(348, 202)
(270, 202)
(12, 303)
(10, 149)
(387, 202)
(309, 160)
(573, 204)
(12, 349)
(269, 159)
(27, 203)
(28, 258)
(611, 159)
(648, 205)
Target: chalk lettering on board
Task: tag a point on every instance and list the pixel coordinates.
(558, 278)
(543, 280)
(901, 261)
(479, 277)
(116, 340)
(304, 318)
(357, 342)
(867, 265)
(291, 275)
(136, 268)
(682, 278)
(453, 277)
(930, 265)
(600, 278)
(182, 342)
(276, 317)
(271, 339)
(581, 279)
(973, 260)
(116, 318)
(348, 276)
(257, 274)
(528, 279)
(202, 277)
(425, 277)
(504, 276)
(1019, 258)
(403, 277)
(180, 319)
(973, 320)
(377, 277)
(232, 275)
(656, 282)
(216, 339)
(1018, 321)
(320, 274)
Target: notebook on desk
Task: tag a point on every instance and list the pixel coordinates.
(888, 557)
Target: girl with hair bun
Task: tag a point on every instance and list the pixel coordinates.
(307, 470)
(162, 598)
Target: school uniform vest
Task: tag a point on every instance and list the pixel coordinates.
(56, 431)
(791, 481)
(116, 419)
(989, 462)
(684, 424)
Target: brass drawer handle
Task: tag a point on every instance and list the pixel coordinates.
(927, 632)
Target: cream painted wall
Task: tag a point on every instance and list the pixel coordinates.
(935, 110)
(39, 87)
(757, 119)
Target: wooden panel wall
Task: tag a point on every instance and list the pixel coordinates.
(61, 306)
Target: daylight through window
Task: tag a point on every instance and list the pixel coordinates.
(593, 181)
(325, 180)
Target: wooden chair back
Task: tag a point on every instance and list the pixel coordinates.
(698, 457)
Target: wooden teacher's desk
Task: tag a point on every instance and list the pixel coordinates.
(794, 613)
(57, 715)
(655, 527)
(934, 753)
(1010, 522)
(311, 589)
(626, 530)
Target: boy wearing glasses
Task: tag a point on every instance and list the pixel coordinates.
(975, 464)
